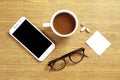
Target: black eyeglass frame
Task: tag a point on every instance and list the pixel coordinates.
(52, 62)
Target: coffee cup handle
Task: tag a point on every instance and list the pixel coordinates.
(46, 25)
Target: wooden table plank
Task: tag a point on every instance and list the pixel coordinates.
(102, 15)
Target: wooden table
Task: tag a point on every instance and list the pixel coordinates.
(102, 15)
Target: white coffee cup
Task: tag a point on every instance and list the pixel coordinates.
(50, 24)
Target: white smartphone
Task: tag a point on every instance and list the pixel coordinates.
(32, 39)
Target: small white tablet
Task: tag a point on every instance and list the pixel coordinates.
(32, 39)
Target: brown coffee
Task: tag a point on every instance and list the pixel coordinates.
(64, 23)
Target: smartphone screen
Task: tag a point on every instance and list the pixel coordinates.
(32, 39)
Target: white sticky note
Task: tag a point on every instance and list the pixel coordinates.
(98, 43)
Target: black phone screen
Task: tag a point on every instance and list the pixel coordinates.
(32, 39)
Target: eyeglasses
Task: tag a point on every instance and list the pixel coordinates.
(75, 56)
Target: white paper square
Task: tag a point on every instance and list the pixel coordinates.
(98, 43)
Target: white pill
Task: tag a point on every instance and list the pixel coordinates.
(87, 30)
(82, 24)
(82, 29)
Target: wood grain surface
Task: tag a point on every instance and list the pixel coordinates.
(16, 63)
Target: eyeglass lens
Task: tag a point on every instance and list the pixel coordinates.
(60, 64)
(75, 58)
